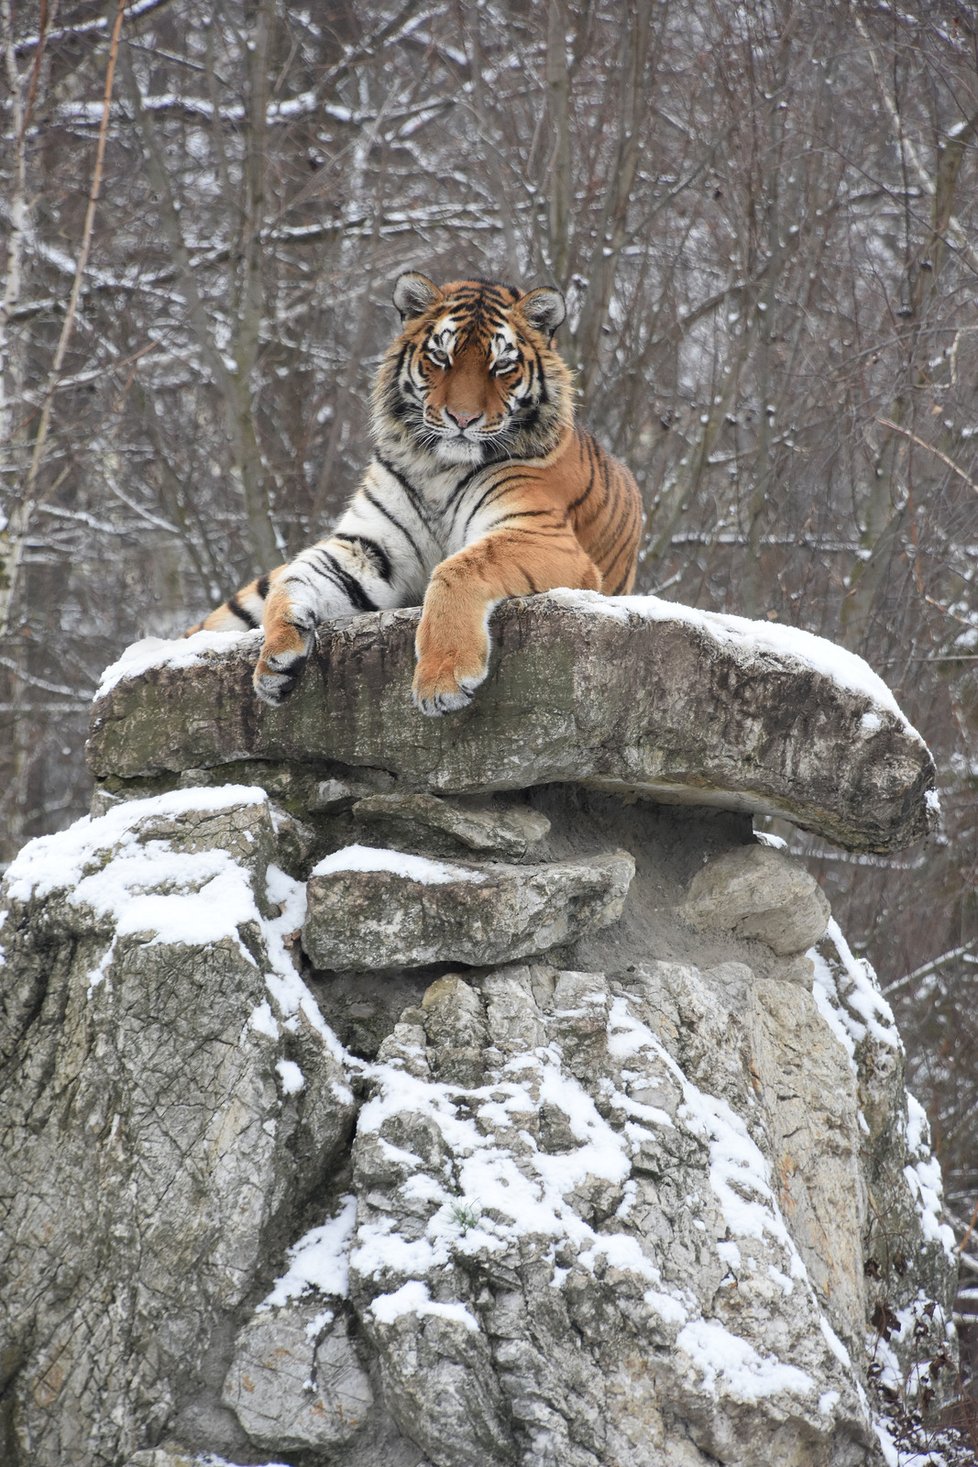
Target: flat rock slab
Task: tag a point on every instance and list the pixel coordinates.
(500, 832)
(629, 693)
(387, 909)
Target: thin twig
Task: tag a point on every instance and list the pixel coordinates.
(969, 1229)
(21, 516)
(929, 447)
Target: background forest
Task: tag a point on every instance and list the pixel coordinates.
(765, 219)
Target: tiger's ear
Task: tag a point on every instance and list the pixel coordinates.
(414, 293)
(544, 309)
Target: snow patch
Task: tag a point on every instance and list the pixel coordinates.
(102, 864)
(520, 1192)
(848, 997)
(291, 1077)
(732, 1368)
(923, 1174)
(414, 1298)
(183, 652)
(319, 1261)
(739, 1174)
(263, 1020)
(398, 863)
(110, 865)
(59, 862)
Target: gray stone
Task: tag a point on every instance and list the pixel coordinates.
(450, 912)
(150, 1155)
(761, 893)
(165, 1457)
(501, 830)
(527, 1245)
(177, 1457)
(635, 1201)
(688, 710)
(295, 1381)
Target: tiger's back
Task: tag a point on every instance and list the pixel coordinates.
(481, 488)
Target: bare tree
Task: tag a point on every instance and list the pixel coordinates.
(763, 218)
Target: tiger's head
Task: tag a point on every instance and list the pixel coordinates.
(473, 377)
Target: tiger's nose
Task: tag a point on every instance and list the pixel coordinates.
(461, 420)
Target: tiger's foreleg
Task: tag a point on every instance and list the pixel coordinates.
(376, 558)
(348, 573)
(453, 641)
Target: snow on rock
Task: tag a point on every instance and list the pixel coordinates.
(53, 862)
(356, 1143)
(398, 863)
(413, 1299)
(923, 1174)
(910, 1340)
(389, 909)
(544, 1179)
(182, 654)
(637, 694)
(149, 1145)
(319, 1261)
(843, 668)
(729, 1366)
(849, 996)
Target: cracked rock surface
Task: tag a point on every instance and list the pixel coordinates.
(633, 693)
(545, 1126)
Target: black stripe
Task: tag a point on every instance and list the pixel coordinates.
(356, 595)
(328, 572)
(262, 587)
(489, 494)
(378, 505)
(544, 394)
(611, 564)
(590, 482)
(599, 461)
(242, 613)
(414, 497)
(465, 480)
(518, 514)
(607, 542)
(372, 550)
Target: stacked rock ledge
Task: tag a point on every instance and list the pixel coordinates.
(629, 693)
(385, 1092)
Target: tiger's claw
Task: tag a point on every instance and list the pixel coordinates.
(283, 656)
(443, 691)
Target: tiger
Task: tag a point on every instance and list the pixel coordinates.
(481, 488)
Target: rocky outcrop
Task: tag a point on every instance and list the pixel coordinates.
(356, 1120)
(628, 693)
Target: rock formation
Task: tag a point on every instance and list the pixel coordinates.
(380, 1090)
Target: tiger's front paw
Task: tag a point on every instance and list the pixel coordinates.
(283, 656)
(443, 685)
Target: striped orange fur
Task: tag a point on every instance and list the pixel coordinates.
(481, 488)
